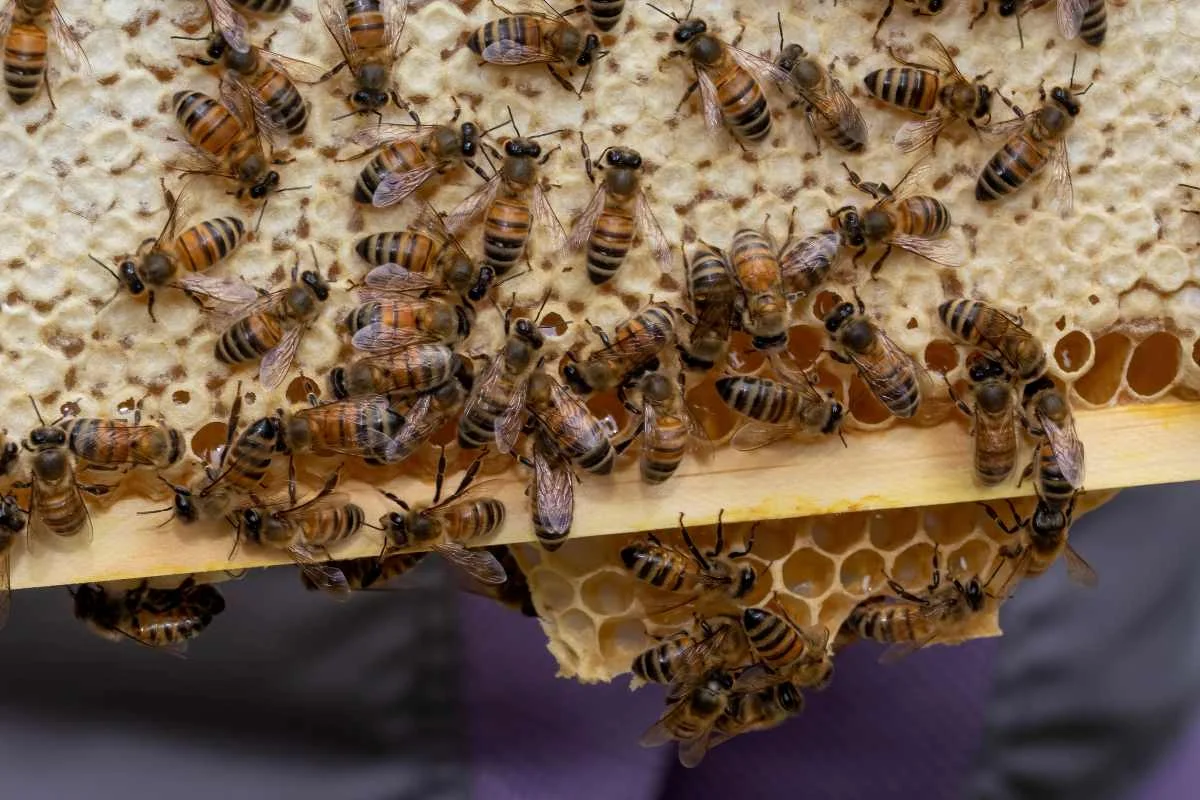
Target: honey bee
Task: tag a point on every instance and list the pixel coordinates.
(493, 409)
(892, 375)
(271, 327)
(302, 529)
(268, 7)
(759, 710)
(682, 655)
(12, 522)
(363, 574)
(785, 650)
(406, 156)
(763, 303)
(568, 425)
(630, 352)
(804, 264)
(1058, 462)
(993, 415)
(159, 618)
(898, 218)
(360, 426)
(392, 320)
(532, 38)
(400, 373)
(778, 409)
(1044, 538)
(1034, 142)
(937, 91)
(605, 13)
(1087, 19)
(57, 497)
(197, 248)
(714, 573)
(616, 213)
(431, 411)
(828, 110)
(512, 203)
(668, 428)
(26, 46)
(367, 33)
(693, 710)
(999, 332)
(449, 525)
(729, 79)
(920, 8)
(111, 443)
(913, 621)
(551, 492)
(713, 297)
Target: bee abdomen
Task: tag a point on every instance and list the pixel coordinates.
(519, 29)
(926, 216)
(760, 399)
(1095, 23)
(395, 157)
(743, 104)
(605, 13)
(208, 124)
(959, 316)
(201, 246)
(25, 50)
(366, 24)
(656, 566)
(609, 244)
(1009, 169)
(248, 338)
(837, 135)
(664, 449)
(505, 233)
(904, 394)
(264, 6)
(598, 459)
(413, 251)
(282, 97)
(904, 87)
(994, 465)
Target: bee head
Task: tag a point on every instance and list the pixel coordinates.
(47, 436)
(983, 101)
(973, 593)
(316, 284)
(479, 291)
(469, 139)
(981, 368)
(746, 578)
(836, 318)
(1065, 100)
(184, 505)
(395, 528)
(1008, 7)
(252, 523)
(590, 45)
(934, 6)
(788, 56)
(573, 374)
(367, 100)
(1048, 522)
(789, 697)
(625, 157)
(689, 29)
(266, 185)
(849, 222)
(836, 414)
(216, 46)
(128, 274)
(522, 148)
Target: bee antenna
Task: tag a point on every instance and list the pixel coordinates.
(36, 410)
(1190, 186)
(117, 277)
(343, 116)
(1020, 32)
(291, 189)
(513, 120)
(542, 307)
(779, 19)
(669, 15)
(1074, 63)
(156, 511)
(842, 436)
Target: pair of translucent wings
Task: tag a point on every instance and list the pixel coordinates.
(496, 386)
(1062, 189)
(395, 16)
(396, 186)
(759, 68)
(645, 224)
(479, 201)
(833, 105)
(232, 306)
(915, 135)
(553, 487)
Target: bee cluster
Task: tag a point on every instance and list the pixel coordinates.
(411, 373)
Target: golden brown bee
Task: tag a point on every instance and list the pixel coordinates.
(366, 573)
(400, 373)
(713, 296)
(57, 499)
(999, 332)
(360, 426)
(785, 650)
(368, 33)
(513, 204)
(828, 110)
(111, 443)
(937, 91)
(532, 38)
(668, 428)
(663, 662)
(920, 8)
(763, 303)
(804, 264)
(302, 529)
(892, 375)
(778, 409)
(994, 419)
(910, 621)
(898, 218)
(728, 79)
(12, 522)
(1044, 537)
(160, 618)
(26, 46)
(1035, 141)
(569, 425)
(684, 656)
(271, 327)
(605, 14)
(693, 710)
(713, 573)
(448, 526)
(197, 248)
(493, 409)
(431, 411)
(406, 156)
(270, 7)
(631, 351)
(758, 710)
(1087, 19)
(391, 320)
(551, 492)
(1058, 461)
(616, 213)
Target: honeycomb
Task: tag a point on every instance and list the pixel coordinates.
(1110, 290)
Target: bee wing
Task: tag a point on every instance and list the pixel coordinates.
(6, 18)
(388, 133)
(1004, 130)
(475, 204)
(651, 231)
(391, 279)
(873, 374)
(700, 441)
(662, 731)
(224, 313)
(276, 363)
(692, 751)
(231, 24)
(379, 338)
(1068, 449)
(1080, 571)
(479, 564)
(265, 119)
(325, 577)
(708, 99)
(333, 12)
(756, 435)
(837, 107)
(910, 183)
(544, 218)
(815, 255)
(635, 348)
(1060, 178)
(395, 186)
(763, 69)
(237, 100)
(484, 385)
(946, 252)
(1070, 17)
(395, 17)
(293, 68)
(419, 424)
(581, 231)
(66, 40)
(506, 51)
(914, 135)
(220, 290)
(555, 496)
(940, 57)
(508, 424)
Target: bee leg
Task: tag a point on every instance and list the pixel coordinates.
(738, 39)
(748, 546)
(695, 85)
(1028, 471)
(963, 407)
(94, 489)
(887, 12)
(810, 122)
(331, 72)
(150, 305)
(915, 65)
(691, 546)
(879, 263)
(836, 356)
(982, 13)
(563, 82)
(403, 104)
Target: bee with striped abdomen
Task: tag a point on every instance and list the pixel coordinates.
(112, 443)
(1044, 538)
(993, 418)
(711, 574)
(12, 522)
(999, 332)
(758, 710)
(712, 295)
(631, 351)
(368, 33)
(1035, 141)
(785, 650)
(267, 7)
(892, 375)
(368, 572)
(428, 414)
(898, 218)
(533, 38)
(778, 409)
(937, 91)
(668, 428)
(449, 525)
(1058, 462)
(762, 301)
(159, 618)
(569, 425)
(363, 425)
(56, 496)
(551, 492)
(617, 212)
(693, 710)
(605, 14)
(1085, 19)
(729, 80)
(920, 8)
(392, 320)
(804, 264)
(26, 46)
(158, 260)
(685, 655)
(829, 112)
(402, 373)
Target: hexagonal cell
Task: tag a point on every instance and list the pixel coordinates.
(623, 637)
(891, 530)
(608, 592)
(1073, 351)
(209, 439)
(798, 611)
(862, 572)
(941, 355)
(913, 566)
(808, 573)
(714, 416)
(972, 558)
(864, 407)
(834, 610)
(1100, 383)
(551, 591)
(1154, 365)
(580, 556)
(743, 357)
(805, 343)
(837, 533)
(949, 524)
(776, 538)
(578, 628)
